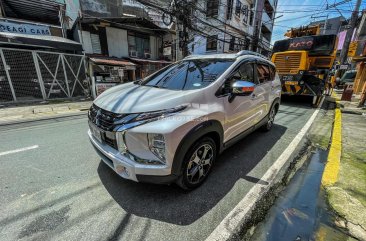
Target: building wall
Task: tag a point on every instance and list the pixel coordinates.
(117, 42)
(235, 26)
(153, 47)
(86, 41)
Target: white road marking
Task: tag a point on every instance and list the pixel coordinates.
(18, 150)
(231, 223)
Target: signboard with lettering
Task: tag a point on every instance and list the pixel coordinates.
(23, 28)
(100, 88)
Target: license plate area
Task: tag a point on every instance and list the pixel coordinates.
(97, 134)
(291, 82)
(288, 78)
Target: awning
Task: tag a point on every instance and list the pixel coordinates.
(43, 11)
(111, 61)
(43, 41)
(148, 61)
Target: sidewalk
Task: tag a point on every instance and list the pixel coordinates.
(21, 114)
(344, 178)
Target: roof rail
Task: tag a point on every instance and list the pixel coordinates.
(247, 52)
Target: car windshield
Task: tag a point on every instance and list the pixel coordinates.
(188, 74)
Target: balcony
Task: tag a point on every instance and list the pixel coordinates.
(267, 21)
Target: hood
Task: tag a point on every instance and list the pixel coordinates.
(133, 98)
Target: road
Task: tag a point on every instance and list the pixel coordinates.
(58, 189)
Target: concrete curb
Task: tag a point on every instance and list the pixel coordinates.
(30, 120)
(44, 108)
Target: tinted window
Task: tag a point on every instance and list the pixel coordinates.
(349, 75)
(263, 73)
(189, 74)
(273, 72)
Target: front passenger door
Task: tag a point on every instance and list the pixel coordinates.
(242, 111)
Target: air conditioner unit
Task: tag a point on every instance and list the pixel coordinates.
(147, 55)
(133, 53)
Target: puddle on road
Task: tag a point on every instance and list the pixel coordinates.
(300, 212)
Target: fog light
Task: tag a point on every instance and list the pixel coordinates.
(157, 145)
(122, 170)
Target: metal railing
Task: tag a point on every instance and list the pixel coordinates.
(31, 75)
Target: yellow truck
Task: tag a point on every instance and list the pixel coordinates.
(303, 62)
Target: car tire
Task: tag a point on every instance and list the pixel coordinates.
(197, 163)
(271, 116)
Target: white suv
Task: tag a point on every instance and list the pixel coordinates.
(172, 125)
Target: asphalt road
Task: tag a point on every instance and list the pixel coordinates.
(60, 190)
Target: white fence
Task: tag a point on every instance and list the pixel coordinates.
(31, 75)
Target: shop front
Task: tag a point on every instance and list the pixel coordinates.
(145, 67)
(108, 72)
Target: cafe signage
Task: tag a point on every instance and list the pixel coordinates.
(22, 28)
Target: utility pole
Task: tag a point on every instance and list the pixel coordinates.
(347, 41)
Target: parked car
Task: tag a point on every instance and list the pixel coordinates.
(348, 77)
(171, 126)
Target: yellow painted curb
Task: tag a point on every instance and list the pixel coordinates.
(331, 170)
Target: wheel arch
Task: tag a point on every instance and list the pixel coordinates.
(276, 104)
(210, 128)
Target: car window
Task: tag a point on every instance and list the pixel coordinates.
(189, 74)
(349, 75)
(263, 73)
(273, 72)
(243, 72)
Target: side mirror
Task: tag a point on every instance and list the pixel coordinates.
(242, 88)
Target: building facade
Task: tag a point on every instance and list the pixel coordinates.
(37, 61)
(264, 17)
(121, 42)
(226, 26)
(331, 25)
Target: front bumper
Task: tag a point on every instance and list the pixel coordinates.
(129, 169)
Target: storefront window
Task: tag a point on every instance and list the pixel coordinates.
(138, 45)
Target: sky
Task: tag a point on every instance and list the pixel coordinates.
(298, 13)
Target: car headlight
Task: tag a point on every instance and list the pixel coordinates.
(157, 145)
(158, 114)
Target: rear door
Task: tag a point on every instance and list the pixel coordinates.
(262, 91)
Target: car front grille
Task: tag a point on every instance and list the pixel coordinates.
(104, 119)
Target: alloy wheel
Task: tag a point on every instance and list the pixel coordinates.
(199, 164)
(271, 118)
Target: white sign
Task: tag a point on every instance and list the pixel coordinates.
(343, 66)
(121, 72)
(167, 51)
(24, 28)
(103, 87)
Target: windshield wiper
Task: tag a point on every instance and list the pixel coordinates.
(156, 86)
